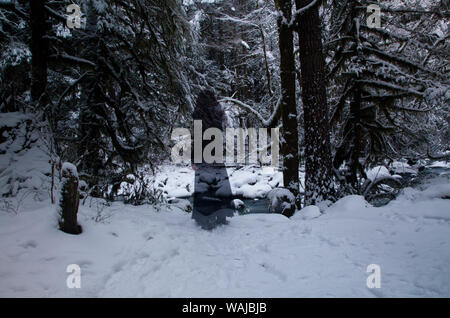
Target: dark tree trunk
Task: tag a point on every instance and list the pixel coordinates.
(355, 117)
(69, 202)
(39, 50)
(289, 147)
(90, 125)
(352, 145)
(318, 183)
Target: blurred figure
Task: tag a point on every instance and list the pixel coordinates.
(212, 190)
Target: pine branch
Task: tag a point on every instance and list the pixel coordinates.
(72, 59)
(266, 122)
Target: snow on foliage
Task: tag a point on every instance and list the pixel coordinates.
(24, 161)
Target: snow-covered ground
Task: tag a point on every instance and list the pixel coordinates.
(128, 251)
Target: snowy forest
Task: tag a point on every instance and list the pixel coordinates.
(348, 98)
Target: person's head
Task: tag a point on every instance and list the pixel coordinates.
(208, 110)
(206, 99)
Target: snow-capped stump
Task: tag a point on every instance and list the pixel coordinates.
(281, 201)
(83, 189)
(69, 200)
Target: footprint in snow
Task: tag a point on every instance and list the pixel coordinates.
(147, 236)
(28, 244)
(272, 270)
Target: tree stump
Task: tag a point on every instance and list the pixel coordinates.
(69, 200)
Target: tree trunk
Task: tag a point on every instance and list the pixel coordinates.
(69, 201)
(289, 147)
(39, 50)
(355, 117)
(266, 62)
(318, 183)
(89, 124)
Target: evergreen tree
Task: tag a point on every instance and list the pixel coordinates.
(289, 149)
(387, 84)
(318, 182)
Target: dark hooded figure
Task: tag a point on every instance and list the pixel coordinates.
(212, 190)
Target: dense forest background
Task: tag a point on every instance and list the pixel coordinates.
(106, 96)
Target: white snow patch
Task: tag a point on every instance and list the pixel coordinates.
(307, 213)
(377, 173)
(403, 167)
(349, 203)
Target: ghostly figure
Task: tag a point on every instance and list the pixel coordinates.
(212, 190)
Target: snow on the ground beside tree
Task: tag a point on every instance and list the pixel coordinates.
(147, 252)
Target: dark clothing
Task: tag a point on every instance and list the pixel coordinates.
(212, 190)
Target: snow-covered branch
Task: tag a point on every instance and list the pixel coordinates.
(228, 18)
(266, 122)
(390, 86)
(73, 59)
(299, 12)
(56, 15)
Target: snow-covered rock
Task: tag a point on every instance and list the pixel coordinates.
(378, 173)
(237, 204)
(256, 191)
(349, 203)
(248, 182)
(276, 180)
(240, 178)
(439, 164)
(281, 201)
(400, 167)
